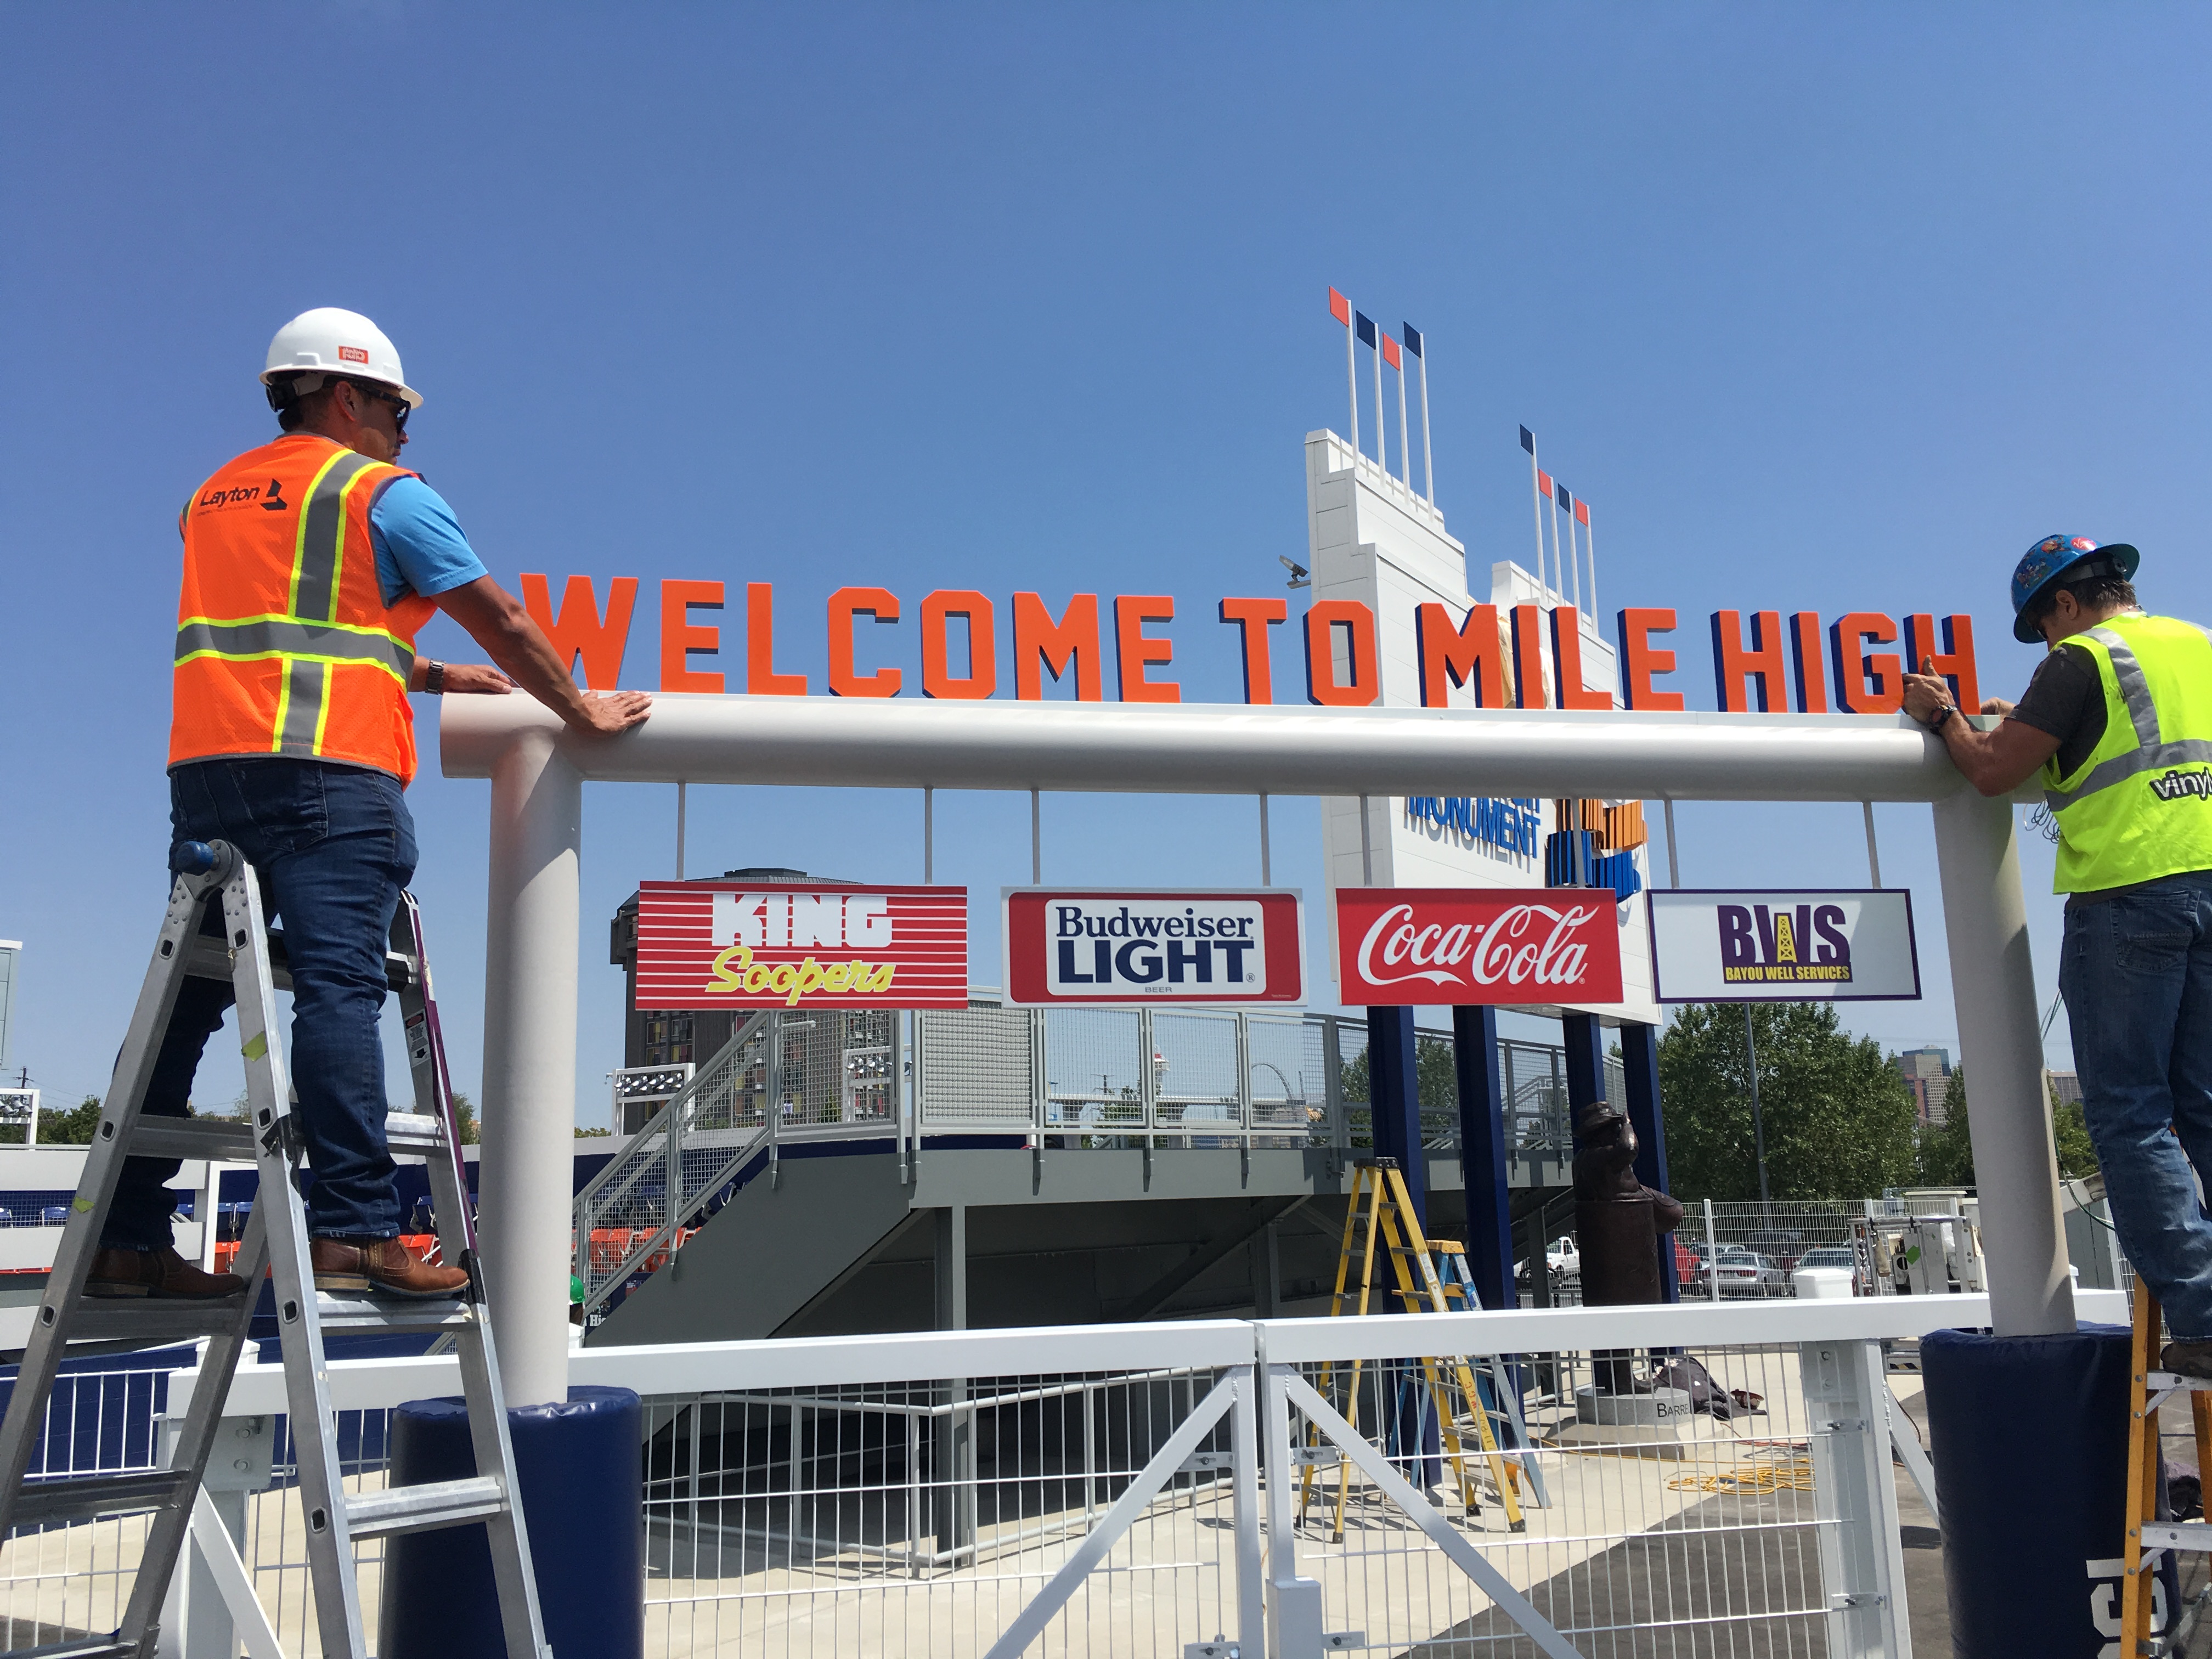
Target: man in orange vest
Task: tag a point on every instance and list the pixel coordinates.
(309, 564)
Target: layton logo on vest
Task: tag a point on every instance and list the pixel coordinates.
(270, 498)
(1456, 945)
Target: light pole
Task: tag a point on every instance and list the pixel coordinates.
(1758, 1127)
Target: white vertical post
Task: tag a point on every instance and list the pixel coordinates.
(531, 934)
(1405, 436)
(1428, 456)
(1037, 840)
(1674, 852)
(1712, 1257)
(1294, 1603)
(1267, 868)
(1574, 555)
(1874, 853)
(680, 818)
(1855, 1496)
(1993, 991)
(1366, 848)
(928, 836)
(1559, 567)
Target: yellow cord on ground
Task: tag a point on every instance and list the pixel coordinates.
(1794, 1476)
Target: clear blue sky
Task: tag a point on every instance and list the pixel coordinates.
(1823, 309)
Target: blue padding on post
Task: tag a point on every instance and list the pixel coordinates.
(579, 1463)
(2030, 1445)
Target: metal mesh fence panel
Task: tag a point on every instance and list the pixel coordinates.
(1094, 1063)
(974, 1068)
(1195, 1076)
(1283, 1069)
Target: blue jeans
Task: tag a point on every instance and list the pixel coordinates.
(333, 847)
(2136, 972)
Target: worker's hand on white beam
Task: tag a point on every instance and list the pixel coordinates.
(1995, 762)
(496, 620)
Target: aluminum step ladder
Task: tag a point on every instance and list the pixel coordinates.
(1503, 1405)
(215, 928)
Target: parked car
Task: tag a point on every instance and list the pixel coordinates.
(1562, 1259)
(1830, 1255)
(1741, 1272)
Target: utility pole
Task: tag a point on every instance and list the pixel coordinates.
(1758, 1127)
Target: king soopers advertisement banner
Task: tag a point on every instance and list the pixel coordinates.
(813, 944)
(1825, 945)
(1137, 944)
(1443, 946)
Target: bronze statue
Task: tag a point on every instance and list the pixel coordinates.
(1618, 1221)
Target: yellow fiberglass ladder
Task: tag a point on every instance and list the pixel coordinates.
(1381, 1209)
(2149, 1538)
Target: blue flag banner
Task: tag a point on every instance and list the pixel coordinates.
(1528, 441)
(1412, 339)
(1366, 329)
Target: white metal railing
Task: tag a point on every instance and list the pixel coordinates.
(1140, 1488)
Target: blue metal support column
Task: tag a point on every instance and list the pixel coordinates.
(1393, 1098)
(1639, 1060)
(1585, 1044)
(1482, 1155)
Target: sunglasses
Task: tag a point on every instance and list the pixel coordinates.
(400, 410)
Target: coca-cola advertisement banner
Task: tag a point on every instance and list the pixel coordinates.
(1137, 944)
(813, 944)
(1827, 944)
(1477, 945)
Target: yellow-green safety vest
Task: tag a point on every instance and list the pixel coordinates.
(2139, 806)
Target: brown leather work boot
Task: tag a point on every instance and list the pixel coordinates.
(2187, 1358)
(380, 1265)
(159, 1274)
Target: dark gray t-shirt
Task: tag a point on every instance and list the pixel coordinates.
(2066, 700)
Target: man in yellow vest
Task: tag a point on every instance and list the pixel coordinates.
(2119, 720)
(309, 564)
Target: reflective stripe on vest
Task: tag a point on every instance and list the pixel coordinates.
(2139, 805)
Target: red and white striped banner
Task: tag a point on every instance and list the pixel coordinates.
(812, 944)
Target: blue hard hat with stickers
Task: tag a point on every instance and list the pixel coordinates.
(2050, 559)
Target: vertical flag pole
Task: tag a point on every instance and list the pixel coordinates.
(1036, 842)
(1419, 348)
(1340, 309)
(1267, 868)
(1405, 436)
(1535, 490)
(1574, 556)
(1558, 569)
(1366, 848)
(1874, 853)
(928, 836)
(1382, 427)
(680, 815)
(1674, 860)
(1589, 548)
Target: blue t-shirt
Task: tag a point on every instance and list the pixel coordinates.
(419, 544)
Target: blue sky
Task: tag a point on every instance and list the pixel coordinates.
(1823, 309)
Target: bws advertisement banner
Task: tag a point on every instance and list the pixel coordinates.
(1501, 946)
(1840, 944)
(1135, 945)
(810, 945)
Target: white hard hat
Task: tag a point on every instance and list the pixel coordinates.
(338, 343)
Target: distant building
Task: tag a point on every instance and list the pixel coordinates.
(2066, 1088)
(1926, 1072)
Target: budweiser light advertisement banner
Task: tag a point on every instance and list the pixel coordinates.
(810, 944)
(1477, 945)
(1837, 945)
(1126, 946)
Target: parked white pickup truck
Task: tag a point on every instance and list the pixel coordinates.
(1561, 1260)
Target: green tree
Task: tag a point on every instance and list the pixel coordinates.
(586, 1134)
(1436, 1082)
(1944, 1154)
(73, 1128)
(1838, 1118)
(1945, 1157)
(465, 1109)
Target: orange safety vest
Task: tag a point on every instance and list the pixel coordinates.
(284, 644)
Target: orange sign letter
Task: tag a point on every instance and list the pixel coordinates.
(1133, 652)
(1365, 687)
(678, 638)
(1732, 665)
(578, 631)
(1866, 684)
(1255, 617)
(1453, 657)
(1072, 639)
(845, 605)
(1640, 660)
(761, 678)
(983, 677)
